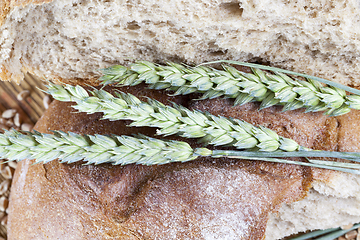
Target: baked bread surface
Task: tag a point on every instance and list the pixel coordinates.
(202, 199)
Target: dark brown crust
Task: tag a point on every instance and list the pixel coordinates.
(146, 202)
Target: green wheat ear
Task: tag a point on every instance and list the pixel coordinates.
(121, 150)
(270, 89)
(93, 149)
(211, 129)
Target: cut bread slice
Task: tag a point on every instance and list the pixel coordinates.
(67, 40)
(329, 204)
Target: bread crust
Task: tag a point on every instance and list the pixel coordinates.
(149, 202)
(4, 10)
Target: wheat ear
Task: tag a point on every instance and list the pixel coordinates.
(93, 149)
(214, 130)
(121, 150)
(269, 89)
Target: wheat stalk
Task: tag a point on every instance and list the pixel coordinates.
(269, 89)
(215, 130)
(120, 150)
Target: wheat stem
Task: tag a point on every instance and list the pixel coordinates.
(354, 156)
(269, 89)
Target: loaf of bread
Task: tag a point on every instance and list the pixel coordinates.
(202, 199)
(68, 41)
(72, 39)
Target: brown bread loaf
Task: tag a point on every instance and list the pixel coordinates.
(203, 199)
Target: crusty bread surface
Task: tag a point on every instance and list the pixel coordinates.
(203, 199)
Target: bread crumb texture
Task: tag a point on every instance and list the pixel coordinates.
(72, 39)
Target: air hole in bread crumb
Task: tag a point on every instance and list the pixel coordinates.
(212, 44)
(215, 50)
(313, 14)
(176, 30)
(161, 23)
(233, 8)
(218, 53)
(133, 25)
(150, 33)
(259, 60)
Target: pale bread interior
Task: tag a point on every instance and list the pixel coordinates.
(329, 204)
(73, 39)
